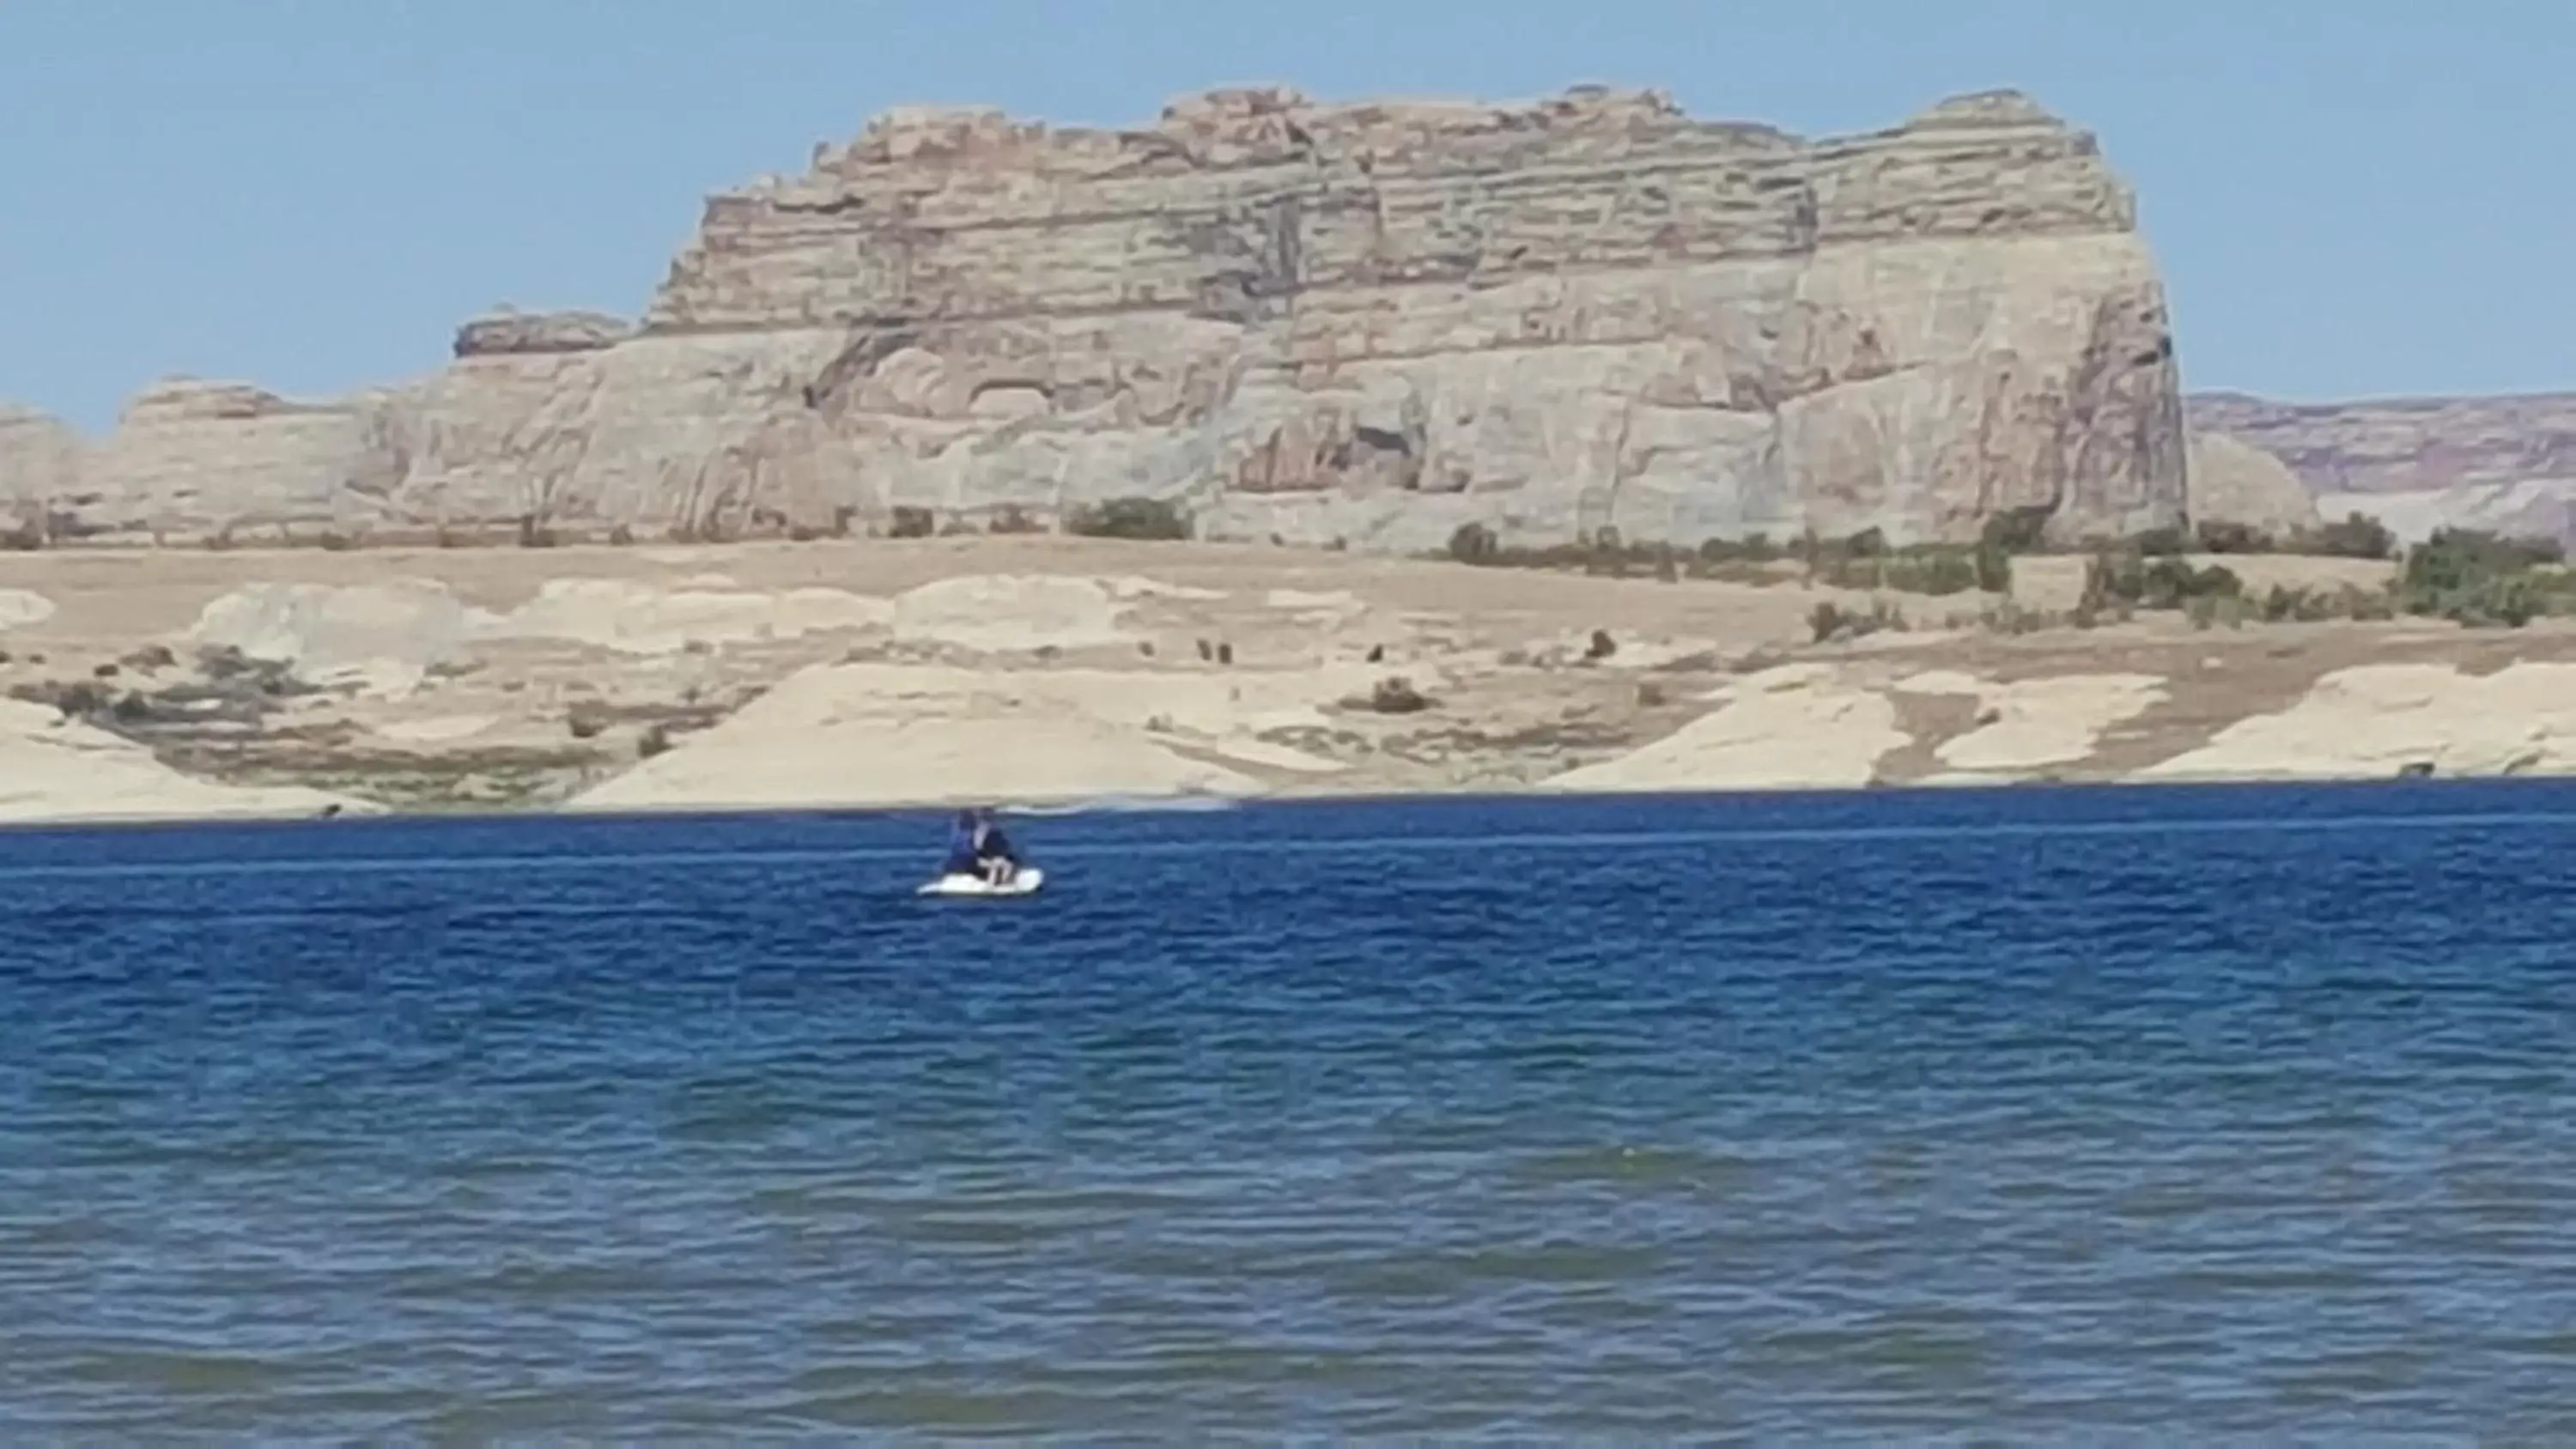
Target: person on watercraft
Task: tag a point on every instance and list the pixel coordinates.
(976, 846)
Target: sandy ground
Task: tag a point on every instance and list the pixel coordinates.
(1044, 670)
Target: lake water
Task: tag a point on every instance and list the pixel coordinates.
(2038, 1115)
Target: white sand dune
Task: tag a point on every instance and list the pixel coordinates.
(19, 608)
(887, 734)
(438, 730)
(1788, 728)
(2038, 722)
(2374, 720)
(1135, 586)
(52, 769)
(383, 638)
(1007, 613)
(380, 637)
(630, 617)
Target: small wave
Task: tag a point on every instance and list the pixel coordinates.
(1130, 805)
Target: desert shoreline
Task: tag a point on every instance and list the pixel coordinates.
(831, 675)
(934, 811)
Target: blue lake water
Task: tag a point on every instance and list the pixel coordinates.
(2037, 1115)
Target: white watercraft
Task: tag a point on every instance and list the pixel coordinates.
(1021, 882)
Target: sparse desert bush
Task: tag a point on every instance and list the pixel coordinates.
(223, 661)
(912, 522)
(1834, 624)
(1752, 548)
(2016, 530)
(1993, 564)
(655, 740)
(74, 699)
(586, 720)
(1154, 519)
(2225, 538)
(2285, 604)
(2208, 610)
(2357, 536)
(1474, 543)
(1396, 695)
(2127, 578)
(2161, 543)
(1866, 561)
(2477, 578)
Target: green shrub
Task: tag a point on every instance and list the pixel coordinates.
(2162, 543)
(1937, 571)
(1130, 518)
(1993, 566)
(1752, 548)
(1396, 695)
(1833, 623)
(2357, 536)
(2017, 530)
(2217, 537)
(1475, 544)
(2163, 583)
(1929, 568)
(2479, 578)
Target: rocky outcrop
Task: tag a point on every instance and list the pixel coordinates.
(509, 331)
(2232, 481)
(197, 459)
(2417, 464)
(40, 472)
(1369, 323)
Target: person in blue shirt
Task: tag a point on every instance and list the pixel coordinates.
(976, 846)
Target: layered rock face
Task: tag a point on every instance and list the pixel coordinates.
(2506, 464)
(1358, 323)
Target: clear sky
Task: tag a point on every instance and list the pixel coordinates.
(2348, 196)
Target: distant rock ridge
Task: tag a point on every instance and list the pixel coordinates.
(1365, 323)
(2503, 463)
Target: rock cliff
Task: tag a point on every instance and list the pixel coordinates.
(2502, 463)
(1369, 323)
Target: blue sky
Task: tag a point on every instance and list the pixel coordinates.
(2348, 199)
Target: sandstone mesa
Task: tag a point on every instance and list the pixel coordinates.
(1361, 323)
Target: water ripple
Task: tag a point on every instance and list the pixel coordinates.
(2034, 1116)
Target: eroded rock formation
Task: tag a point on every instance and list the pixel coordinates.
(1369, 323)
